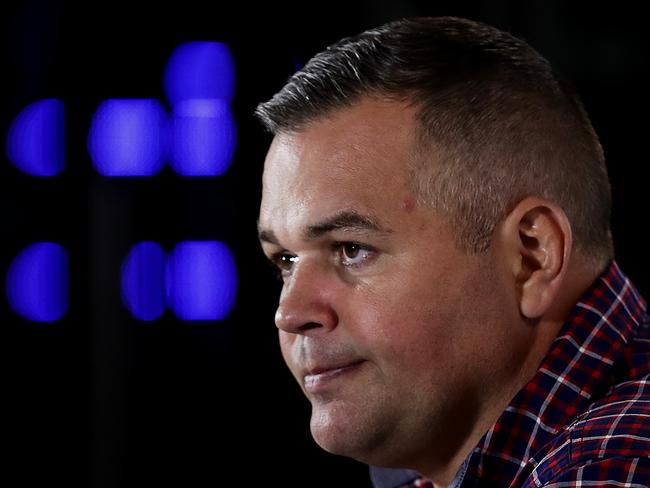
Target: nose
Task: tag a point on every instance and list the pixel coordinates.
(306, 305)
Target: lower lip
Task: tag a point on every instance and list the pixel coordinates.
(316, 382)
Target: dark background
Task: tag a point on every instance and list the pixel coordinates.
(101, 399)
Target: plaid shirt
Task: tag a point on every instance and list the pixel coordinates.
(584, 418)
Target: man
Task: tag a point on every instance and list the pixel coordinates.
(437, 204)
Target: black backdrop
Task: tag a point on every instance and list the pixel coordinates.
(100, 399)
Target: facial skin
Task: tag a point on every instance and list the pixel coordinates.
(407, 348)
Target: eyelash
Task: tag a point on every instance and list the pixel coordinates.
(277, 261)
(340, 246)
(281, 259)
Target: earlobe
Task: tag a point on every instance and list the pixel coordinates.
(542, 243)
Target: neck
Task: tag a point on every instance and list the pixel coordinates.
(493, 401)
(489, 408)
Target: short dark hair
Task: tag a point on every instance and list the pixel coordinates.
(495, 123)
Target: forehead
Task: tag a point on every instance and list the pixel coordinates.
(356, 158)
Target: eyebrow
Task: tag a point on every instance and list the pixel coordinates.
(348, 220)
(344, 220)
(267, 236)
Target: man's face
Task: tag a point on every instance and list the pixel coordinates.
(390, 330)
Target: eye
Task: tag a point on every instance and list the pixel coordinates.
(353, 254)
(283, 262)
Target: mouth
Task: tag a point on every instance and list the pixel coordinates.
(321, 377)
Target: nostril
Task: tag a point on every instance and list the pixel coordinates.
(309, 326)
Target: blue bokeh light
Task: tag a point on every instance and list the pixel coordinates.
(143, 281)
(128, 137)
(37, 282)
(202, 280)
(204, 136)
(36, 139)
(200, 69)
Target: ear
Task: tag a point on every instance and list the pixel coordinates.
(538, 242)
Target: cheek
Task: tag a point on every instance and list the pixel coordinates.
(416, 319)
(403, 325)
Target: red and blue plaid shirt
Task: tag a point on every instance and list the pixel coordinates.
(584, 418)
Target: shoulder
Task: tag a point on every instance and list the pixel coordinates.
(609, 442)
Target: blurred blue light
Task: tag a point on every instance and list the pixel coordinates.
(128, 137)
(204, 136)
(200, 70)
(37, 282)
(36, 139)
(143, 281)
(203, 280)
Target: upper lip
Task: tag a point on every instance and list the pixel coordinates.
(323, 368)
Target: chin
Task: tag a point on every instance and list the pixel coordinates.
(343, 432)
